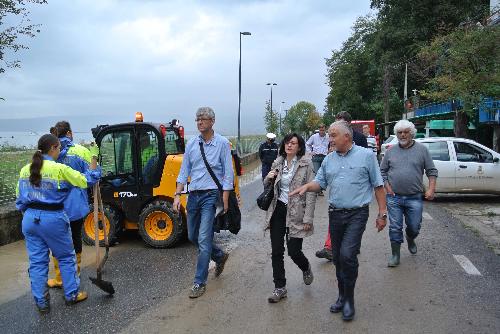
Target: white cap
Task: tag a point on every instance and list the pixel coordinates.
(271, 135)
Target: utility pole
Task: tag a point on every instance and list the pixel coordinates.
(246, 33)
(386, 88)
(405, 98)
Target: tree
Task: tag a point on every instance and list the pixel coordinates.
(463, 65)
(271, 119)
(302, 118)
(366, 75)
(12, 32)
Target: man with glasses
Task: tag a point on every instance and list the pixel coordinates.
(204, 194)
(402, 169)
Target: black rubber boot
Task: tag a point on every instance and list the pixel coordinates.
(348, 309)
(339, 304)
(394, 260)
(412, 246)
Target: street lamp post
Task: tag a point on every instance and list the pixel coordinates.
(271, 84)
(246, 33)
(281, 107)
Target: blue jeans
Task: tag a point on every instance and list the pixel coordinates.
(346, 230)
(410, 208)
(317, 160)
(200, 220)
(44, 230)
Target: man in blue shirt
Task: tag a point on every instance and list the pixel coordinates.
(204, 194)
(352, 173)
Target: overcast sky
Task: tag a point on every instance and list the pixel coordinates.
(110, 58)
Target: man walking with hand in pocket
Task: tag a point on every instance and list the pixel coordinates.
(402, 169)
(204, 194)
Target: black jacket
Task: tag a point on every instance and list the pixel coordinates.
(268, 152)
(359, 139)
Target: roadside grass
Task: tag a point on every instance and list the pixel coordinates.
(11, 163)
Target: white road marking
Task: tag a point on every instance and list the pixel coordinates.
(467, 265)
(426, 216)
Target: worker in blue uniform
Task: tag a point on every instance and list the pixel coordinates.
(76, 204)
(41, 191)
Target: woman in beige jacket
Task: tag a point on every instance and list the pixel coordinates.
(290, 217)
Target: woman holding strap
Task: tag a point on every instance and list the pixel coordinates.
(290, 217)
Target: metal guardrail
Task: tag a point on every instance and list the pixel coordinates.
(489, 111)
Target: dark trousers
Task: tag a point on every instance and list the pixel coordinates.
(294, 245)
(266, 168)
(346, 230)
(76, 234)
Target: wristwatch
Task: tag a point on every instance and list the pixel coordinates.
(382, 216)
(177, 194)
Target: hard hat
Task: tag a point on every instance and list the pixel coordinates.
(271, 135)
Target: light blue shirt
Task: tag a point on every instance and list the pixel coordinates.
(317, 144)
(218, 153)
(351, 177)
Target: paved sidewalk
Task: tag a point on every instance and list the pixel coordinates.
(479, 213)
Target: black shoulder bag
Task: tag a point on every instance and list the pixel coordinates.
(264, 200)
(231, 220)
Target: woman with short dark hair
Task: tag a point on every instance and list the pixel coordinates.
(290, 217)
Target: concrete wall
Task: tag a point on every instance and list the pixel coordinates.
(10, 224)
(248, 158)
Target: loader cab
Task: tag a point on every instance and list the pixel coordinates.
(132, 158)
(140, 164)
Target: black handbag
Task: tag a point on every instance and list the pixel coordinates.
(231, 220)
(264, 200)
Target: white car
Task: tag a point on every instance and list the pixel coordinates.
(464, 166)
(390, 141)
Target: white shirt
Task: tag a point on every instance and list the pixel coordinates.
(317, 144)
(286, 178)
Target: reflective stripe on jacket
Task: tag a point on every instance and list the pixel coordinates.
(56, 183)
(77, 157)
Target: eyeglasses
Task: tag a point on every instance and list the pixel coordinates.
(202, 119)
(405, 132)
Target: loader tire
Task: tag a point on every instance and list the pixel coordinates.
(111, 222)
(159, 226)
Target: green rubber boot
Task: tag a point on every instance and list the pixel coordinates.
(394, 260)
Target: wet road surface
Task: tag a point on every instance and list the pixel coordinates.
(428, 293)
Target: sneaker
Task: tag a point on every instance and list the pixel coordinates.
(45, 308)
(325, 253)
(278, 294)
(308, 276)
(197, 290)
(80, 297)
(219, 267)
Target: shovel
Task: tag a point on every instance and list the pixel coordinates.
(101, 284)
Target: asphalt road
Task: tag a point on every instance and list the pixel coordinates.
(428, 293)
